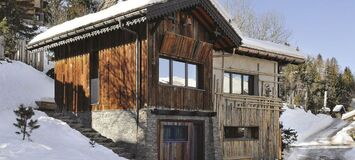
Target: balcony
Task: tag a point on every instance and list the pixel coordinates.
(248, 102)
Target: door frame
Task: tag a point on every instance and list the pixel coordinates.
(194, 122)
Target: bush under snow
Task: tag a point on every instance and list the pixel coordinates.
(54, 140)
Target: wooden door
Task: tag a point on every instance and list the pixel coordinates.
(181, 141)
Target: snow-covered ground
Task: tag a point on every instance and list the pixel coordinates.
(305, 123)
(320, 136)
(54, 140)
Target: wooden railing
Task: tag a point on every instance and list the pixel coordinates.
(247, 102)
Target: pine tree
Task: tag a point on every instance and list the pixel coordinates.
(59, 11)
(331, 81)
(345, 87)
(16, 23)
(24, 121)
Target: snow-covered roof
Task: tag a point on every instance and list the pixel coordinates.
(120, 8)
(222, 10)
(348, 115)
(271, 47)
(338, 108)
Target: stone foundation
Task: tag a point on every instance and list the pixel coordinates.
(150, 141)
(121, 126)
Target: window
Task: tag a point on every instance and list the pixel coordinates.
(192, 75)
(164, 72)
(178, 73)
(175, 133)
(238, 83)
(242, 133)
(94, 78)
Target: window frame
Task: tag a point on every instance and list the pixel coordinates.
(247, 129)
(94, 58)
(250, 82)
(176, 139)
(171, 72)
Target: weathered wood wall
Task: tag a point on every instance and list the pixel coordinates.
(117, 72)
(191, 149)
(250, 111)
(186, 39)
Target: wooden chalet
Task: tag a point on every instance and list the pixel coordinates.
(141, 72)
(246, 85)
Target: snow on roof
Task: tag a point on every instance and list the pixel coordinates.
(338, 108)
(271, 47)
(223, 11)
(348, 115)
(119, 8)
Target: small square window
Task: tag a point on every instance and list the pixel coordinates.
(175, 133)
(241, 133)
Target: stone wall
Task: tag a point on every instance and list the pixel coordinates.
(118, 125)
(121, 126)
(149, 139)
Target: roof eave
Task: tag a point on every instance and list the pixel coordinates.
(92, 26)
(271, 55)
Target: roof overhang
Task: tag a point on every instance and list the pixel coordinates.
(138, 15)
(283, 58)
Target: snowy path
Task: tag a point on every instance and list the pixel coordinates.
(320, 146)
(327, 133)
(319, 153)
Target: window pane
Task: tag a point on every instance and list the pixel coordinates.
(246, 84)
(192, 73)
(164, 70)
(241, 133)
(178, 73)
(226, 81)
(236, 83)
(175, 133)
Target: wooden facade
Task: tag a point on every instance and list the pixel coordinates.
(117, 78)
(175, 39)
(252, 117)
(250, 111)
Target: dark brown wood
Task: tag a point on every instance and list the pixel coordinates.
(117, 77)
(192, 149)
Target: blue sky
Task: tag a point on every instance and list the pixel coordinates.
(318, 26)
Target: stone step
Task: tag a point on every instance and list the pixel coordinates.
(109, 145)
(92, 135)
(84, 129)
(120, 149)
(102, 140)
(76, 125)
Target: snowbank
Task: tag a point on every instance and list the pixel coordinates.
(343, 136)
(54, 140)
(20, 83)
(305, 123)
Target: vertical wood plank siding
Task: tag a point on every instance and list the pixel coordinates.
(117, 72)
(185, 39)
(250, 111)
